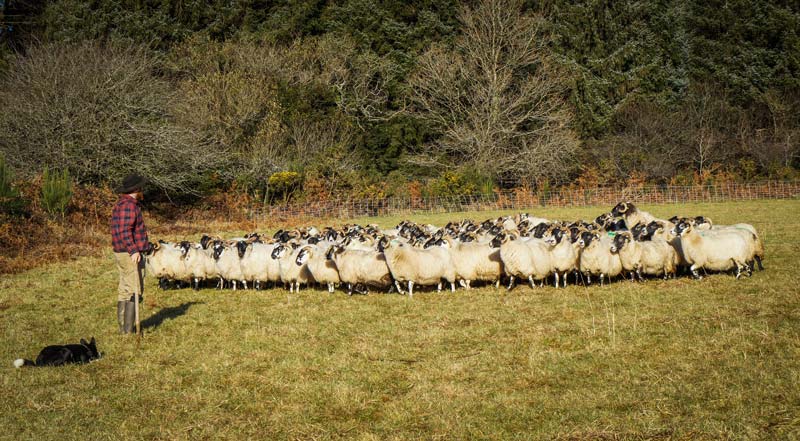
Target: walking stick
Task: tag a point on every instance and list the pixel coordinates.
(136, 305)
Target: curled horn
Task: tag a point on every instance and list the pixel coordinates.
(156, 246)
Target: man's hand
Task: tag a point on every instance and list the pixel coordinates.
(135, 258)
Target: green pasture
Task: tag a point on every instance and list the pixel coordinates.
(677, 359)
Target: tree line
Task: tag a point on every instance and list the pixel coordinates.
(361, 96)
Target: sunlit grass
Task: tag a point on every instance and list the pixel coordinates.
(684, 359)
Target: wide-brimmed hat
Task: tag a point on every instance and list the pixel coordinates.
(131, 184)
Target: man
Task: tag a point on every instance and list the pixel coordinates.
(129, 240)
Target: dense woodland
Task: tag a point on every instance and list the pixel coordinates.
(300, 98)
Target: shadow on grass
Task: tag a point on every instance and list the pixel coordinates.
(167, 313)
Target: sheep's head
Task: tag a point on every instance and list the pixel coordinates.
(683, 227)
(184, 246)
(622, 208)
(703, 222)
(278, 251)
(654, 227)
(554, 237)
(620, 240)
(303, 255)
(587, 237)
(640, 232)
(218, 246)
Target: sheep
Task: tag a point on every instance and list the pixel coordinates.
(291, 272)
(750, 234)
(322, 269)
(419, 266)
(200, 263)
(360, 267)
(632, 215)
(653, 257)
(525, 258)
(717, 252)
(596, 256)
(228, 262)
(256, 262)
(475, 261)
(165, 261)
(563, 254)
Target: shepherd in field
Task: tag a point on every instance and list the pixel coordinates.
(129, 240)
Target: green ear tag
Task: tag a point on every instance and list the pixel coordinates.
(612, 233)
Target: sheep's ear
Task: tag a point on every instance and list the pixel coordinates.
(84, 342)
(92, 342)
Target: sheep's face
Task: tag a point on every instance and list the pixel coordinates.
(587, 237)
(218, 248)
(674, 219)
(554, 237)
(333, 250)
(303, 256)
(640, 232)
(620, 209)
(682, 228)
(702, 221)
(500, 239)
(184, 246)
(241, 248)
(540, 230)
(616, 225)
(603, 218)
(620, 240)
(278, 251)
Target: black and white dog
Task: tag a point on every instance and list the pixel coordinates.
(58, 355)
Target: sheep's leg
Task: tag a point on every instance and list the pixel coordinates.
(601, 278)
(349, 289)
(639, 274)
(244, 282)
(556, 278)
(695, 274)
(399, 289)
(439, 287)
(511, 283)
(330, 287)
(497, 283)
(410, 288)
(452, 286)
(758, 261)
(565, 278)
(533, 283)
(463, 283)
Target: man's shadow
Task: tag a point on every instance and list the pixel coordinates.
(170, 313)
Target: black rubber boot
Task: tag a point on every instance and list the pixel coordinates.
(130, 317)
(121, 315)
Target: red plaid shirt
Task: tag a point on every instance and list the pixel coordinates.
(128, 233)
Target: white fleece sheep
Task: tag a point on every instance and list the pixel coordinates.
(360, 267)
(322, 269)
(596, 257)
(653, 257)
(525, 258)
(291, 272)
(419, 266)
(721, 251)
(563, 254)
(475, 261)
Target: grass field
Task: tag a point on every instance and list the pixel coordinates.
(677, 359)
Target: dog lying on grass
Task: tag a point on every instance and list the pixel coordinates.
(58, 355)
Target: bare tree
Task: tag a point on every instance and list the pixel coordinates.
(495, 97)
(98, 111)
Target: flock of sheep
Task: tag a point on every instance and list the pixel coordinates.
(624, 242)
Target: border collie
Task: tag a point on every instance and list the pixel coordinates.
(58, 355)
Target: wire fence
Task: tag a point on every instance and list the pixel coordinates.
(526, 199)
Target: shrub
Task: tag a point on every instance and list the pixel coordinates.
(283, 185)
(56, 192)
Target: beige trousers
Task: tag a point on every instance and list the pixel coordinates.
(131, 277)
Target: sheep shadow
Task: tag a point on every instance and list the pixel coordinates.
(170, 313)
